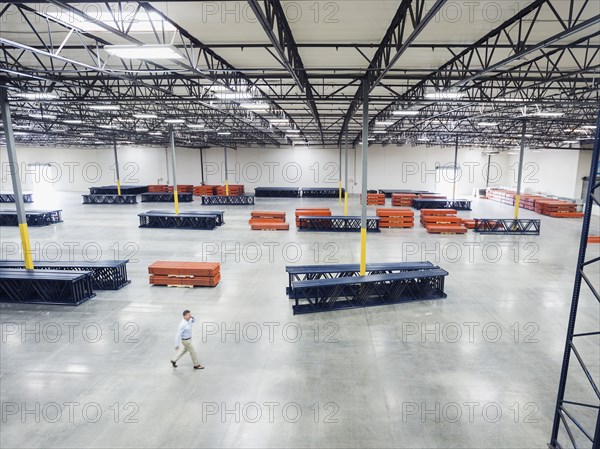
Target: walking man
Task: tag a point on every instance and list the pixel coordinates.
(184, 333)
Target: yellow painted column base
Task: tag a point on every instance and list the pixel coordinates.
(226, 187)
(346, 204)
(517, 204)
(176, 200)
(118, 187)
(363, 251)
(27, 255)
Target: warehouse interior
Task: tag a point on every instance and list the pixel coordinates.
(435, 159)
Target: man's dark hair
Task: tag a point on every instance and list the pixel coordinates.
(185, 312)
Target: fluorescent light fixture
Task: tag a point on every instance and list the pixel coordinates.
(224, 133)
(174, 121)
(38, 115)
(150, 52)
(582, 131)
(145, 115)
(423, 139)
(141, 130)
(73, 121)
(155, 133)
(195, 125)
(86, 134)
(104, 107)
(36, 95)
(487, 124)
(379, 131)
(278, 121)
(299, 142)
(589, 127)
(444, 95)
(255, 106)
(549, 114)
(292, 131)
(528, 135)
(233, 95)
(405, 112)
(569, 142)
(384, 122)
(107, 126)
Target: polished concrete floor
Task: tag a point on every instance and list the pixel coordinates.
(478, 369)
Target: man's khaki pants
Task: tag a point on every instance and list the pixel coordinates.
(187, 347)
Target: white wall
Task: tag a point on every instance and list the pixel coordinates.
(553, 172)
(389, 167)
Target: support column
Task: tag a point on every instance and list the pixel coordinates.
(174, 169)
(520, 175)
(489, 164)
(15, 176)
(365, 138)
(455, 170)
(117, 172)
(226, 173)
(346, 176)
(202, 165)
(340, 175)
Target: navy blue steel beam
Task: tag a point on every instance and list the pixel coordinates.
(563, 416)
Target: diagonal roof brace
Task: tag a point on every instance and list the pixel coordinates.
(286, 48)
(383, 60)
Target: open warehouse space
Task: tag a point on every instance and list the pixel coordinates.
(379, 220)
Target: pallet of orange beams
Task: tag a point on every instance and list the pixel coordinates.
(440, 219)
(174, 281)
(446, 229)
(234, 190)
(396, 218)
(469, 224)
(375, 199)
(181, 188)
(268, 215)
(311, 212)
(157, 188)
(253, 221)
(566, 214)
(594, 239)
(269, 226)
(168, 267)
(403, 199)
(438, 212)
(205, 190)
(549, 205)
